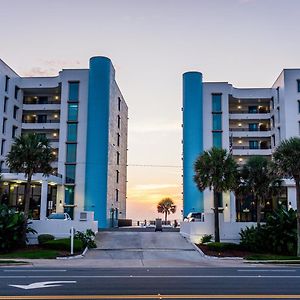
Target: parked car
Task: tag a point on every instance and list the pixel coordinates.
(59, 216)
(194, 217)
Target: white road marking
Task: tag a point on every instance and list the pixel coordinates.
(40, 285)
(284, 270)
(35, 270)
(151, 276)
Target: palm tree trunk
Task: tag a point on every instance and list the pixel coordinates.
(298, 214)
(258, 212)
(216, 213)
(27, 198)
(166, 217)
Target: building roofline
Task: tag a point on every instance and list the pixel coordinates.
(2, 61)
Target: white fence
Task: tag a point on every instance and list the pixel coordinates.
(229, 231)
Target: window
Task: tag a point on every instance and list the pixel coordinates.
(253, 109)
(119, 103)
(216, 102)
(43, 100)
(6, 83)
(217, 139)
(117, 176)
(272, 122)
(118, 139)
(74, 91)
(69, 200)
(217, 121)
(2, 146)
(253, 127)
(298, 85)
(72, 132)
(272, 103)
(278, 114)
(277, 90)
(273, 140)
(119, 122)
(118, 158)
(117, 195)
(72, 112)
(14, 131)
(16, 108)
(42, 118)
(71, 153)
(299, 106)
(16, 92)
(1, 165)
(253, 145)
(70, 173)
(4, 125)
(279, 134)
(5, 104)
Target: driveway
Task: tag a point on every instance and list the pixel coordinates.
(148, 249)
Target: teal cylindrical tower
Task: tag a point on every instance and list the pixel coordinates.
(192, 139)
(97, 138)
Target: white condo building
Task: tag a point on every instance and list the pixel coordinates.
(84, 115)
(245, 121)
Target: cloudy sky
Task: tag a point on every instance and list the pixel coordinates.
(151, 43)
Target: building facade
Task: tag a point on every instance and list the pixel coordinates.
(84, 115)
(246, 122)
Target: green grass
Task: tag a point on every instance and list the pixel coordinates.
(271, 257)
(30, 254)
(63, 245)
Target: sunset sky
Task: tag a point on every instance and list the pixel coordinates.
(151, 43)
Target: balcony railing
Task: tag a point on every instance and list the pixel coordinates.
(247, 129)
(247, 112)
(5, 171)
(250, 148)
(41, 121)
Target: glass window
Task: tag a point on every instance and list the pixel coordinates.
(16, 92)
(69, 195)
(72, 132)
(298, 85)
(72, 112)
(299, 106)
(6, 83)
(14, 131)
(16, 108)
(253, 127)
(70, 173)
(119, 122)
(5, 103)
(119, 103)
(217, 121)
(118, 139)
(71, 153)
(2, 146)
(216, 102)
(117, 195)
(253, 145)
(253, 109)
(117, 176)
(118, 158)
(4, 125)
(217, 139)
(73, 91)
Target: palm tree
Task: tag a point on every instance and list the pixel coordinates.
(217, 170)
(287, 160)
(30, 154)
(259, 180)
(166, 206)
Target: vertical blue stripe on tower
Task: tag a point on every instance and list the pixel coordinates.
(192, 139)
(97, 139)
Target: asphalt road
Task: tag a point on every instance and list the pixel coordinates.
(154, 283)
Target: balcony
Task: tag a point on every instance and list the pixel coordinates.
(245, 132)
(41, 107)
(46, 124)
(246, 150)
(240, 115)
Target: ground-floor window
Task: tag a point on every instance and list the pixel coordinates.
(12, 194)
(246, 206)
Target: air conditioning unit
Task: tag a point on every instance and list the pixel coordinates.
(83, 216)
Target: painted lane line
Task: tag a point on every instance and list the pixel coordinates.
(40, 285)
(34, 271)
(152, 297)
(149, 276)
(284, 270)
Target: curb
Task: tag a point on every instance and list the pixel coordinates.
(74, 257)
(278, 262)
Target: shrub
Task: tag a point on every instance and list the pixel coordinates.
(206, 238)
(43, 238)
(278, 235)
(64, 245)
(220, 247)
(12, 229)
(87, 238)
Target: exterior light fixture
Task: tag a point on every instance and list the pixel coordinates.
(54, 134)
(55, 116)
(240, 124)
(239, 107)
(240, 141)
(240, 159)
(5, 183)
(56, 97)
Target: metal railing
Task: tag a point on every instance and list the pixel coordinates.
(250, 148)
(251, 130)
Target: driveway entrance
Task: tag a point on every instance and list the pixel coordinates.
(153, 249)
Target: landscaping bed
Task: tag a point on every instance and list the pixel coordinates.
(229, 251)
(48, 250)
